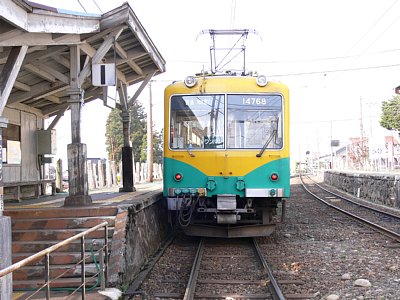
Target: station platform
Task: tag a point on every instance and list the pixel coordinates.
(100, 197)
(125, 206)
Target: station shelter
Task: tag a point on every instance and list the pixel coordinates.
(52, 61)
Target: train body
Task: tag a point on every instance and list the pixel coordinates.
(226, 154)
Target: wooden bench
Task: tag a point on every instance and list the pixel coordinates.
(27, 189)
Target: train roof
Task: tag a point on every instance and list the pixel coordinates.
(260, 79)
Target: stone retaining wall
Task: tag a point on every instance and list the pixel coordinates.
(376, 187)
(140, 228)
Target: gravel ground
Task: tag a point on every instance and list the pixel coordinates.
(333, 256)
(317, 252)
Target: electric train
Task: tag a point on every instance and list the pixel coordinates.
(226, 154)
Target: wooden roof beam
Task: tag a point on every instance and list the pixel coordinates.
(140, 89)
(132, 79)
(38, 91)
(27, 108)
(123, 54)
(58, 75)
(133, 54)
(7, 35)
(39, 72)
(9, 73)
(102, 34)
(22, 86)
(4, 54)
(19, 38)
(61, 60)
(53, 99)
(60, 113)
(51, 51)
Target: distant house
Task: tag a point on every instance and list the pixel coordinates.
(365, 154)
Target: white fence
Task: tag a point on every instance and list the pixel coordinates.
(104, 173)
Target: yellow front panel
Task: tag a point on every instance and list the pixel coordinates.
(215, 162)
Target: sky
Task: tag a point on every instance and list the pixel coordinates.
(340, 59)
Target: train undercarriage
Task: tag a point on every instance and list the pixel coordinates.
(224, 215)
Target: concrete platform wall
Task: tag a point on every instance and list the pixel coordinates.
(139, 231)
(379, 188)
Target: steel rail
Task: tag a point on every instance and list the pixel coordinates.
(191, 286)
(354, 202)
(273, 285)
(390, 234)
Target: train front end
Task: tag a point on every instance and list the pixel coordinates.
(226, 154)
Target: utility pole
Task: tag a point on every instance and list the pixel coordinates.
(362, 161)
(150, 157)
(331, 146)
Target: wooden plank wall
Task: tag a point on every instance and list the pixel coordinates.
(29, 164)
(30, 123)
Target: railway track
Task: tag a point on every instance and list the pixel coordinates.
(384, 222)
(231, 270)
(219, 269)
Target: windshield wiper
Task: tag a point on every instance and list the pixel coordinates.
(273, 134)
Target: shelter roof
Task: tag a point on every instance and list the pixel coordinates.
(43, 80)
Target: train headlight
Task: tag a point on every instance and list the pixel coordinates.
(261, 80)
(274, 177)
(190, 81)
(178, 177)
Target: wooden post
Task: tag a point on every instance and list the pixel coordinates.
(59, 175)
(137, 172)
(95, 176)
(5, 232)
(108, 174)
(100, 170)
(76, 151)
(114, 174)
(5, 257)
(91, 180)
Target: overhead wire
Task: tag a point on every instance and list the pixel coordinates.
(298, 60)
(371, 27)
(382, 33)
(306, 73)
(82, 6)
(324, 58)
(368, 32)
(336, 70)
(95, 2)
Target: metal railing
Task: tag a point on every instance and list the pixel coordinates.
(102, 271)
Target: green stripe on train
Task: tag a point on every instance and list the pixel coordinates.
(258, 178)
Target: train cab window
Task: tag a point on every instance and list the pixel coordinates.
(254, 121)
(197, 122)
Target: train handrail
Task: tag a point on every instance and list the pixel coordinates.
(46, 252)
